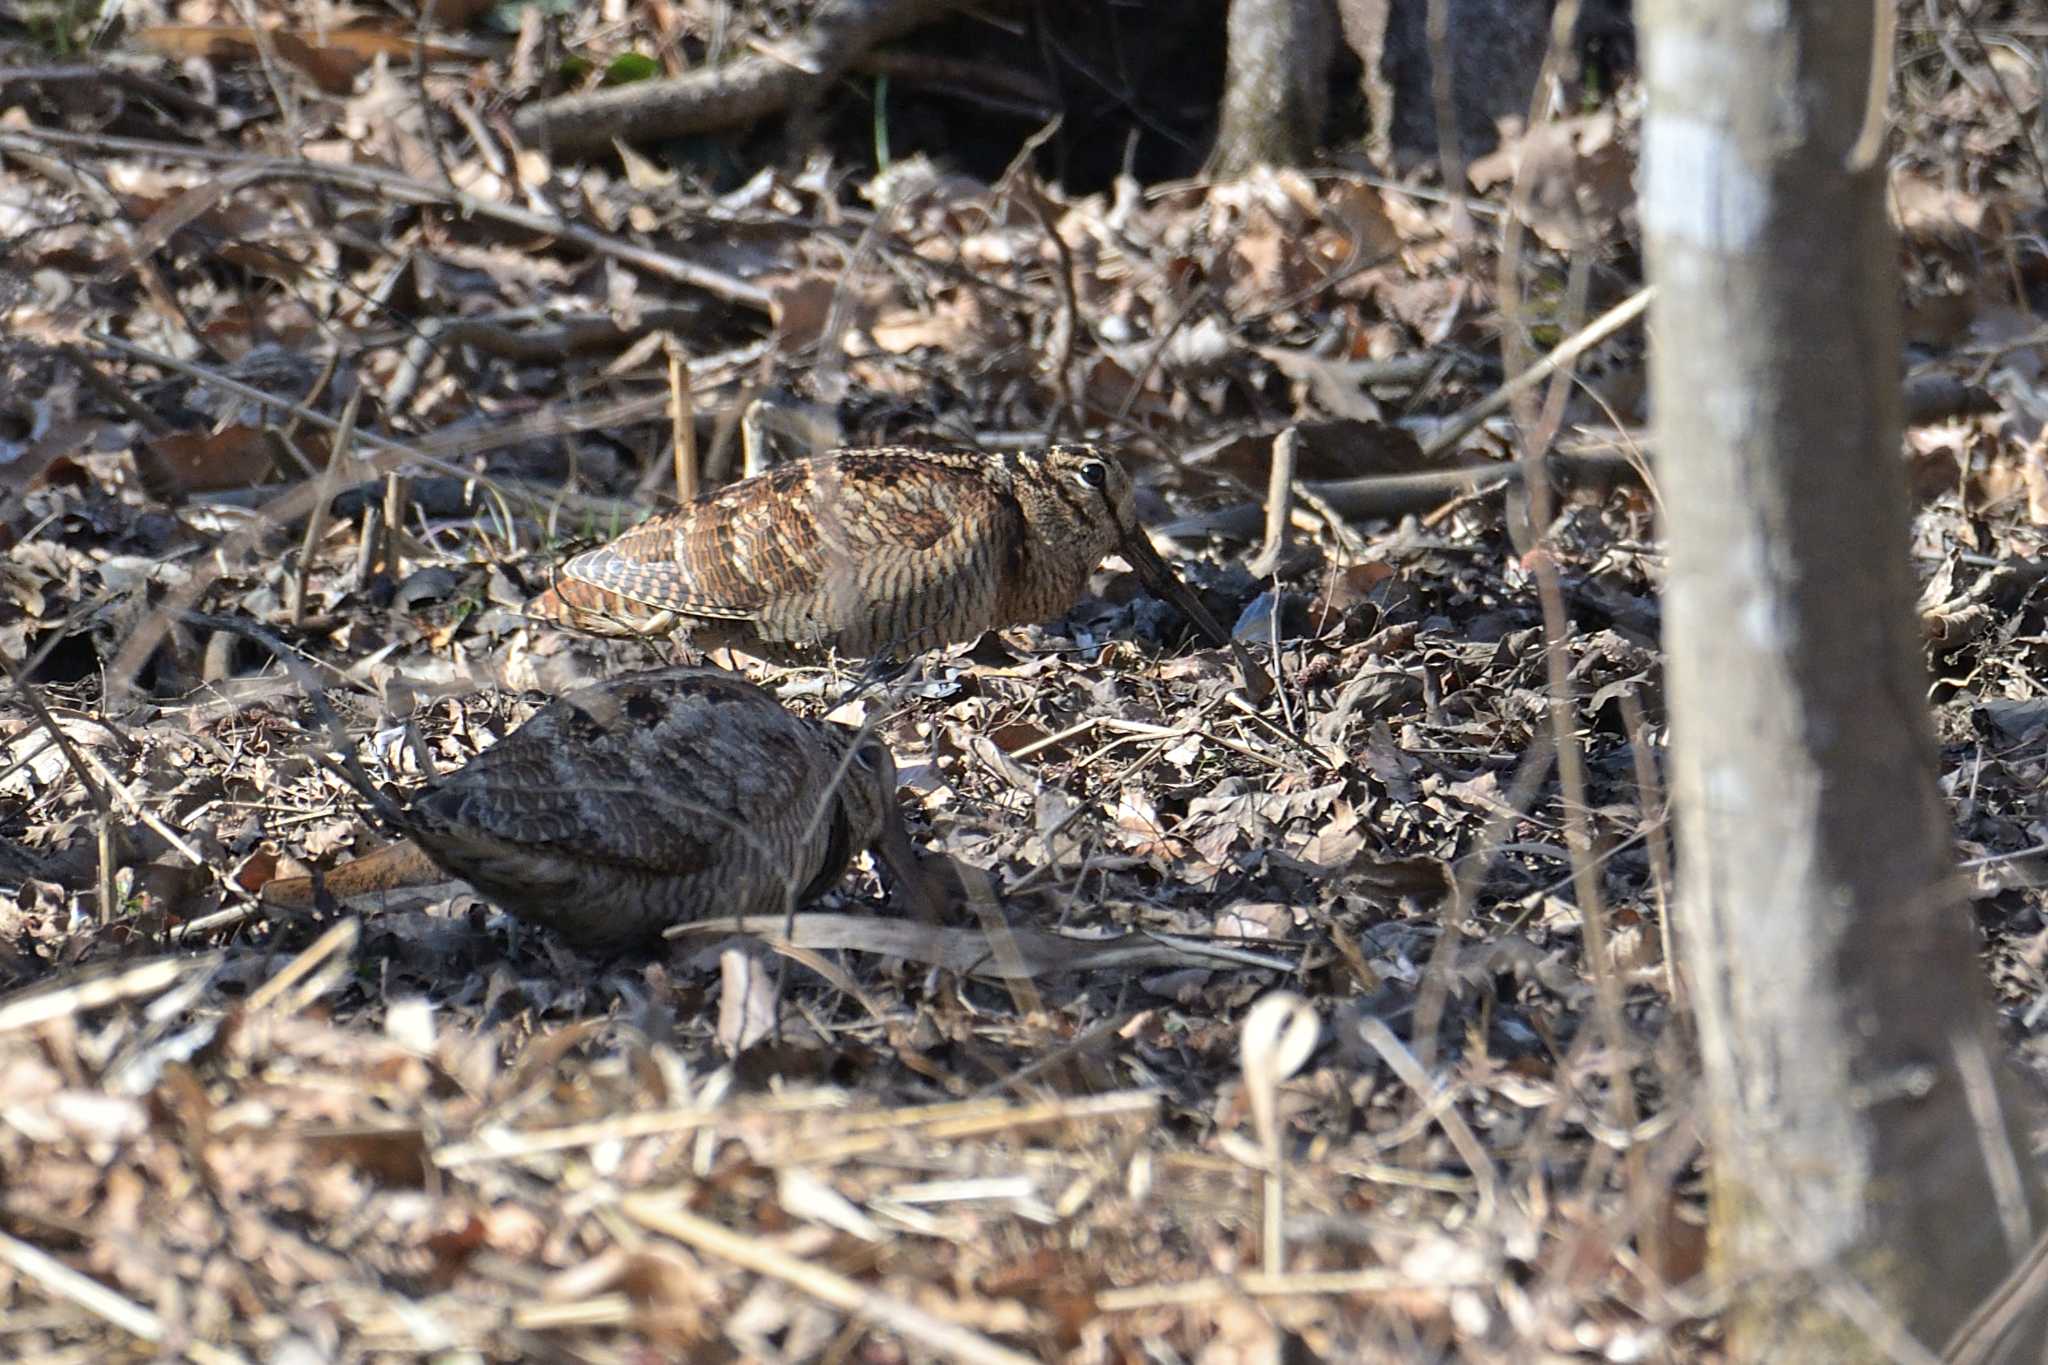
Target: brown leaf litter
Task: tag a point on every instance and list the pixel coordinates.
(367, 395)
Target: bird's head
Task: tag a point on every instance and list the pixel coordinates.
(1092, 480)
(867, 794)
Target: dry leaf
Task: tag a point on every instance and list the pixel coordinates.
(189, 462)
(333, 58)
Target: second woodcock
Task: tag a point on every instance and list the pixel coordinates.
(649, 800)
(885, 551)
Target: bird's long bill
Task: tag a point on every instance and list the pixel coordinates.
(906, 869)
(1162, 582)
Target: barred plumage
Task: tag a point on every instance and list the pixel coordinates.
(891, 550)
(649, 800)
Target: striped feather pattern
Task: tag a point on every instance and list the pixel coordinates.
(654, 799)
(889, 550)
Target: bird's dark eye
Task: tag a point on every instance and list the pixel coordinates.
(1094, 474)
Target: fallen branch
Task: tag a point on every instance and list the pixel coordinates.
(949, 1340)
(1567, 352)
(971, 951)
(138, 83)
(1279, 504)
(446, 498)
(727, 95)
(1394, 495)
(60, 1281)
(251, 170)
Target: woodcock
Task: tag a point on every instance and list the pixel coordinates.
(885, 551)
(653, 799)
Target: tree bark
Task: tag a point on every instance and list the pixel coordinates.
(1862, 1136)
(1275, 83)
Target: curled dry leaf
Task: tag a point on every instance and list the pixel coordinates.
(1278, 1034)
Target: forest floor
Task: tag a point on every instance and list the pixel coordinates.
(367, 397)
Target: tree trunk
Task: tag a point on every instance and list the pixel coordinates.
(1276, 83)
(1860, 1128)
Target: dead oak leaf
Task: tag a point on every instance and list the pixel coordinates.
(1144, 833)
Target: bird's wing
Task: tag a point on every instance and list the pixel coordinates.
(818, 544)
(668, 774)
(572, 602)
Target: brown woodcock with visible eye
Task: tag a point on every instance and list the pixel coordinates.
(646, 801)
(892, 550)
